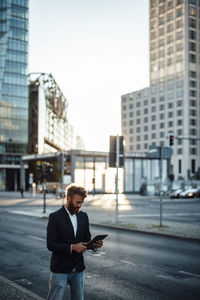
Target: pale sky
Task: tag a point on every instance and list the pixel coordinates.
(97, 50)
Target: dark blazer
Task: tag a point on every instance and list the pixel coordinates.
(60, 236)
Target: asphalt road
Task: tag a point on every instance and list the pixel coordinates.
(129, 266)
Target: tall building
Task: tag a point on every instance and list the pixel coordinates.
(171, 105)
(13, 90)
(49, 129)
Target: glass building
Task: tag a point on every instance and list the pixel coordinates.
(13, 90)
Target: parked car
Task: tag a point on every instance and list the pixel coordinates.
(185, 193)
(193, 193)
(176, 193)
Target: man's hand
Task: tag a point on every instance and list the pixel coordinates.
(79, 248)
(98, 244)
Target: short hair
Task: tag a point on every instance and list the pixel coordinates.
(73, 189)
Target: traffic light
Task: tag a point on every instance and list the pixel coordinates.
(171, 139)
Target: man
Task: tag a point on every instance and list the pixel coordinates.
(67, 236)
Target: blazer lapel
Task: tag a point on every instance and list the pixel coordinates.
(67, 218)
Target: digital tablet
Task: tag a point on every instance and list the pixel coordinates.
(90, 244)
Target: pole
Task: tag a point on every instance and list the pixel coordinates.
(117, 179)
(161, 200)
(62, 175)
(44, 187)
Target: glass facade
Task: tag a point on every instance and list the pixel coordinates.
(13, 81)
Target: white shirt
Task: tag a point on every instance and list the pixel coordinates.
(73, 219)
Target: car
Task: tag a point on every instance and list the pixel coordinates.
(193, 193)
(185, 193)
(176, 193)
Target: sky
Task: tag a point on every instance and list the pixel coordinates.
(97, 51)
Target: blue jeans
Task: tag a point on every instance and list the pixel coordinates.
(58, 283)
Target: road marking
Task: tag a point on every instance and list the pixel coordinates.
(191, 274)
(162, 276)
(127, 262)
(36, 238)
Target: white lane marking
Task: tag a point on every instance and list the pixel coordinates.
(155, 215)
(127, 262)
(162, 276)
(191, 274)
(36, 238)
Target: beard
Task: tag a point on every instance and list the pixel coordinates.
(72, 209)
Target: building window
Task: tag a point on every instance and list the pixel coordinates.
(160, 20)
(179, 47)
(178, 2)
(193, 167)
(131, 130)
(153, 109)
(193, 93)
(192, 23)
(162, 134)
(179, 132)
(179, 12)
(193, 103)
(170, 124)
(170, 105)
(179, 35)
(145, 137)
(124, 107)
(146, 111)
(138, 130)
(193, 74)
(179, 151)
(193, 83)
(193, 131)
(138, 138)
(138, 147)
(131, 122)
(192, 112)
(193, 151)
(193, 122)
(169, 17)
(153, 118)
(192, 35)
(138, 121)
(192, 58)
(153, 136)
(179, 103)
(192, 11)
(179, 113)
(153, 126)
(194, 2)
(179, 122)
(161, 106)
(192, 46)
(145, 120)
(179, 142)
(130, 105)
(161, 116)
(179, 166)
(178, 24)
(162, 125)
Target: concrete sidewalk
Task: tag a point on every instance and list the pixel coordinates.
(12, 291)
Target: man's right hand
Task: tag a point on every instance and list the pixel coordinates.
(79, 248)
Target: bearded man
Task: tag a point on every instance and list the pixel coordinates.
(67, 236)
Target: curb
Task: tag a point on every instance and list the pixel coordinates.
(146, 232)
(24, 291)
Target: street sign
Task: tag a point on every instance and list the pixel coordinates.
(154, 152)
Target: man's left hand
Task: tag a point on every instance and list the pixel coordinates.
(98, 244)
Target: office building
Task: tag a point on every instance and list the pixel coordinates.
(49, 129)
(13, 90)
(171, 105)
